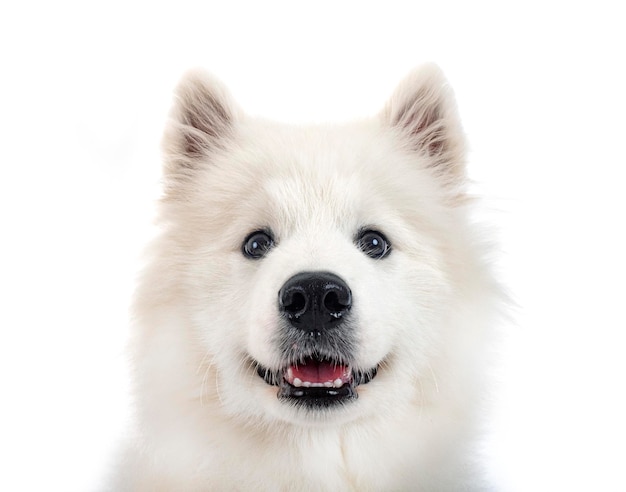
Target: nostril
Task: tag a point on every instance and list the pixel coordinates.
(294, 303)
(298, 304)
(335, 304)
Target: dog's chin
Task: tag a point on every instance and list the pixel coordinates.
(317, 384)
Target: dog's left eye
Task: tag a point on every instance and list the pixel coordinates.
(257, 245)
(373, 244)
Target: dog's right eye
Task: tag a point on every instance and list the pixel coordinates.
(257, 245)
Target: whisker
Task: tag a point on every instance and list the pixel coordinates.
(420, 391)
(205, 376)
(432, 372)
(217, 389)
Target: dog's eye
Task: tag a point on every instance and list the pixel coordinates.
(257, 245)
(373, 244)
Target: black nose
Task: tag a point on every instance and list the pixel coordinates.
(315, 301)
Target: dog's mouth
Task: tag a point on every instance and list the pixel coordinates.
(315, 382)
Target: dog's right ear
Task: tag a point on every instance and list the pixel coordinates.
(202, 122)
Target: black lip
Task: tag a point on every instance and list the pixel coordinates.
(316, 397)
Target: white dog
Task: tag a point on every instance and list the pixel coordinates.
(316, 311)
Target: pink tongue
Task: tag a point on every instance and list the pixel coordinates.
(320, 372)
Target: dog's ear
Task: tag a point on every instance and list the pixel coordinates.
(423, 110)
(202, 122)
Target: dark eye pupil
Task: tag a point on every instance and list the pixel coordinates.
(373, 244)
(257, 245)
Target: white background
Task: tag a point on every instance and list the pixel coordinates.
(84, 92)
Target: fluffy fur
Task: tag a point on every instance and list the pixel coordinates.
(206, 316)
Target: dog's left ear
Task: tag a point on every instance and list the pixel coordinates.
(423, 110)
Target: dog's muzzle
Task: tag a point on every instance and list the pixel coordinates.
(317, 342)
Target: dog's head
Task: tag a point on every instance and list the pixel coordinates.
(317, 267)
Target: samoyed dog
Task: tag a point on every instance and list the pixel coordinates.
(315, 314)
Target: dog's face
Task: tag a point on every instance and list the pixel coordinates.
(315, 263)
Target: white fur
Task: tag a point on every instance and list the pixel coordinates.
(205, 419)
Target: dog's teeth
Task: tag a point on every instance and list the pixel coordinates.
(306, 384)
(297, 382)
(338, 383)
(328, 384)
